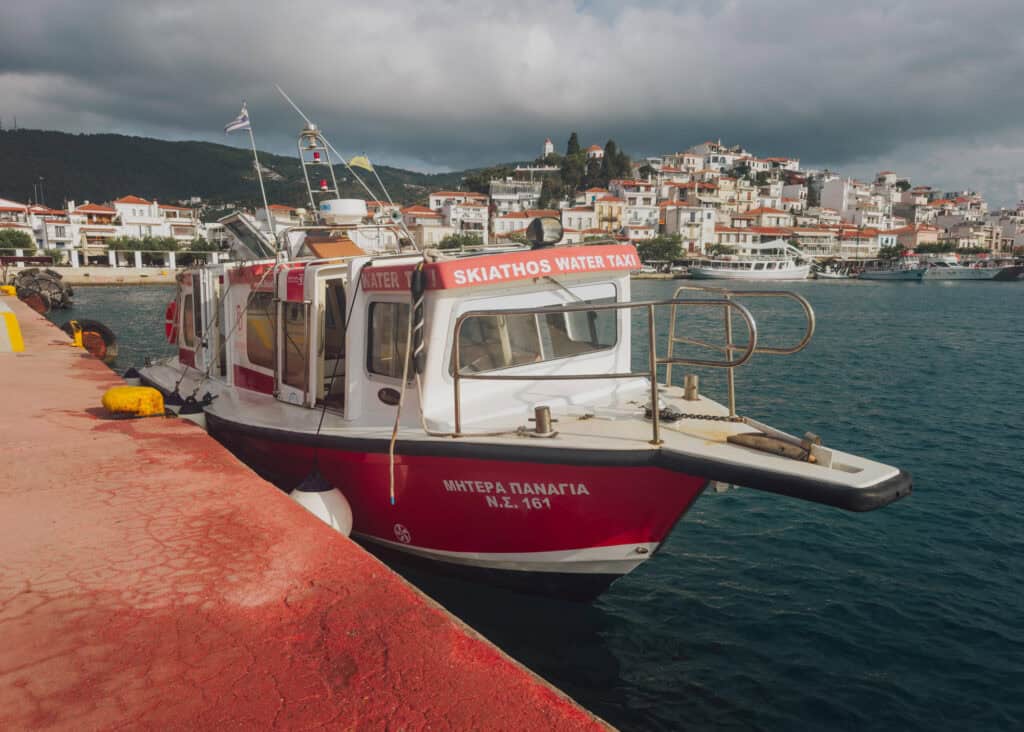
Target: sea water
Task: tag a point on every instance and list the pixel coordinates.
(763, 612)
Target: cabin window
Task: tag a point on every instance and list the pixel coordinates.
(188, 323)
(389, 325)
(295, 371)
(260, 325)
(491, 342)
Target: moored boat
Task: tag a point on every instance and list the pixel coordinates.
(949, 267)
(831, 270)
(774, 260)
(907, 268)
(481, 411)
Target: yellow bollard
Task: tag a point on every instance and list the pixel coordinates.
(133, 401)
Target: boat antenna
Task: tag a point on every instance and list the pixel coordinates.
(344, 160)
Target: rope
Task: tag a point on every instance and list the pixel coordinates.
(405, 381)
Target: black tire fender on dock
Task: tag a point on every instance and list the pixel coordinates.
(97, 339)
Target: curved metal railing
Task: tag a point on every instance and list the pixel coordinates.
(653, 361)
(728, 347)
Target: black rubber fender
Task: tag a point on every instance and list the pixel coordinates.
(98, 339)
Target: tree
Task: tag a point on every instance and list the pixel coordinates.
(719, 250)
(890, 252)
(550, 192)
(15, 239)
(660, 248)
(903, 185)
(646, 171)
(146, 243)
(573, 148)
(574, 168)
(460, 241)
(480, 180)
(609, 163)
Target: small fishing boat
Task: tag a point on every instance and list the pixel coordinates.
(480, 411)
(907, 268)
(831, 270)
(774, 260)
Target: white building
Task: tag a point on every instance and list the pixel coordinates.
(139, 218)
(467, 217)
(439, 199)
(595, 152)
(579, 218)
(515, 195)
(515, 222)
(695, 225)
(549, 148)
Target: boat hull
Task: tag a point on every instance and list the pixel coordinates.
(509, 518)
(798, 272)
(962, 273)
(895, 275)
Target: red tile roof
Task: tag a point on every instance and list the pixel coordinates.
(420, 211)
(95, 208)
(133, 199)
(463, 194)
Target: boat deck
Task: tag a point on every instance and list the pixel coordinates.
(149, 579)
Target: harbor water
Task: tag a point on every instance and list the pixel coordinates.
(762, 612)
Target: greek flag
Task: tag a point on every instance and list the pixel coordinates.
(241, 122)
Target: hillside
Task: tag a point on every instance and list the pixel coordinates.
(104, 167)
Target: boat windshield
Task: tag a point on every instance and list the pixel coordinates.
(492, 342)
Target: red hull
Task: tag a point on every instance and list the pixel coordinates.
(473, 505)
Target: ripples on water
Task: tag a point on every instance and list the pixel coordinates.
(764, 612)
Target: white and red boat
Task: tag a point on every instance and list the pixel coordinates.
(517, 440)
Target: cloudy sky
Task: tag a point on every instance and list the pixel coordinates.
(930, 88)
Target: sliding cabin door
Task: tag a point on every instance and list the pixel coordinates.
(311, 315)
(294, 341)
(195, 312)
(329, 368)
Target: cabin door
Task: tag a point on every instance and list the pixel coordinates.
(193, 314)
(330, 363)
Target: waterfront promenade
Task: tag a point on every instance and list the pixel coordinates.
(148, 579)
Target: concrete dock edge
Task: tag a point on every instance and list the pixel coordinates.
(149, 579)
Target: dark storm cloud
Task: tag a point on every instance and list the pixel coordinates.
(466, 83)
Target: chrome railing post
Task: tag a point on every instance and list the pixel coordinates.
(730, 372)
(455, 377)
(653, 362)
(671, 344)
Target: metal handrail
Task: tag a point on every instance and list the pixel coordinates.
(653, 361)
(729, 346)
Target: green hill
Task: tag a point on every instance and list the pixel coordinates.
(104, 167)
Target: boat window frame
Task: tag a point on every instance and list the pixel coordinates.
(271, 313)
(368, 360)
(614, 297)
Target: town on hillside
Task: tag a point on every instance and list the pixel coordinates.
(709, 199)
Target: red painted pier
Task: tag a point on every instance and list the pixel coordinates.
(150, 580)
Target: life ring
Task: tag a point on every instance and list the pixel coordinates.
(171, 322)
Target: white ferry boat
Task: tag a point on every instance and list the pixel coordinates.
(774, 260)
(480, 411)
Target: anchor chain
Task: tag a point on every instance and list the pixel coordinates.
(670, 414)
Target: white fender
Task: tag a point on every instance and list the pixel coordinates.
(330, 506)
